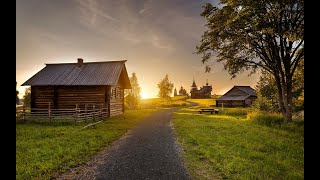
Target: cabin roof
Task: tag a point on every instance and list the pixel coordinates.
(246, 89)
(90, 73)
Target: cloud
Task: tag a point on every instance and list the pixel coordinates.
(146, 6)
(90, 11)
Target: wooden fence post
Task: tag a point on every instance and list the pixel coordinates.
(24, 114)
(49, 113)
(76, 115)
(94, 112)
(86, 106)
(100, 112)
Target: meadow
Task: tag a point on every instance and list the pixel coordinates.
(44, 150)
(152, 103)
(239, 143)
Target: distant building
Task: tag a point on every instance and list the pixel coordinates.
(238, 96)
(182, 92)
(203, 93)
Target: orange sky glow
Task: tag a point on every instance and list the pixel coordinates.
(155, 37)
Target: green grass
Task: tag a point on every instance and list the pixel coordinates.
(204, 102)
(229, 145)
(42, 151)
(162, 103)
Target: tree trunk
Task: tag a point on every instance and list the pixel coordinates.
(280, 97)
(288, 117)
(285, 97)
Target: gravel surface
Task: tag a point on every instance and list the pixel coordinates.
(148, 151)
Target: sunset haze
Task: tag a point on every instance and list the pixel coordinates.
(155, 37)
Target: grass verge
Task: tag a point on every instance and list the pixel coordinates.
(229, 146)
(43, 151)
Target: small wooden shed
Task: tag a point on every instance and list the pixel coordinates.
(238, 96)
(66, 85)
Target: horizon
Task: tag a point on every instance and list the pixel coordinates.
(155, 37)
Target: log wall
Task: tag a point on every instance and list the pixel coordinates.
(41, 96)
(66, 97)
(116, 101)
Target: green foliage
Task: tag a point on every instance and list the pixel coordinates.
(165, 88)
(132, 96)
(42, 151)
(27, 97)
(254, 34)
(227, 146)
(267, 91)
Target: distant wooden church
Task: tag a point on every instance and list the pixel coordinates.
(182, 92)
(66, 85)
(203, 93)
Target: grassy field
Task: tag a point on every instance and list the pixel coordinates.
(162, 103)
(42, 151)
(230, 145)
(204, 102)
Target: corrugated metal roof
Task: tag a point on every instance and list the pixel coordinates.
(91, 73)
(246, 89)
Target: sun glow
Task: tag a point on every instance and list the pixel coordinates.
(147, 93)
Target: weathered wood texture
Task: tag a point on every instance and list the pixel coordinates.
(116, 101)
(232, 103)
(68, 97)
(41, 96)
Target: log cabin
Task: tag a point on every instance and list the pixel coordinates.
(238, 96)
(70, 85)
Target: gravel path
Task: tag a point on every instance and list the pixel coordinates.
(149, 151)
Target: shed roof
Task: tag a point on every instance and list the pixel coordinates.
(90, 73)
(246, 89)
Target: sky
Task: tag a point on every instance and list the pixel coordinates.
(156, 37)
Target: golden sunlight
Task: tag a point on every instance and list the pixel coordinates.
(147, 93)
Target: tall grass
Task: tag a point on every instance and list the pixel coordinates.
(276, 120)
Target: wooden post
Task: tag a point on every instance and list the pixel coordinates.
(100, 112)
(24, 114)
(85, 106)
(76, 116)
(49, 112)
(94, 112)
(222, 106)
